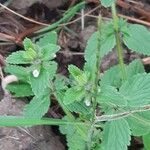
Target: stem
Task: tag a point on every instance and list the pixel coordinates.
(97, 72)
(118, 41)
(97, 75)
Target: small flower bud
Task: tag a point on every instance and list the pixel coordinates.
(54, 55)
(35, 73)
(99, 90)
(87, 102)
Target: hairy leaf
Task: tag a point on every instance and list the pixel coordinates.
(109, 95)
(137, 90)
(108, 42)
(138, 39)
(40, 83)
(78, 107)
(18, 71)
(28, 44)
(73, 94)
(116, 135)
(51, 68)
(113, 75)
(74, 71)
(37, 107)
(135, 67)
(20, 89)
(48, 51)
(60, 82)
(17, 58)
(138, 125)
(74, 140)
(48, 38)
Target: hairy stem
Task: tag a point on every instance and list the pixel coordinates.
(118, 41)
(97, 75)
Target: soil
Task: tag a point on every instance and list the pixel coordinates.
(72, 41)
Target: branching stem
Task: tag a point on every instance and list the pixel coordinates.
(121, 114)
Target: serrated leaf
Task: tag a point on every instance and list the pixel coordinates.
(107, 3)
(20, 89)
(108, 42)
(60, 82)
(17, 58)
(48, 51)
(73, 94)
(146, 140)
(40, 83)
(18, 71)
(135, 67)
(37, 107)
(51, 68)
(78, 107)
(138, 125)
(112, 76)
(80, 77)
(28, 44)
(109, 95)
(48, 38)
(74, 71)
(138, 39)
(137, 90)
(74, 139)
(116, 135)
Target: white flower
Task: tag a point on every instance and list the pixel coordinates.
(99, 90)
(35, 73)
(87, 102)
(54, 55)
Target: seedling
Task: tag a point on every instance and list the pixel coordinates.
(108, 109)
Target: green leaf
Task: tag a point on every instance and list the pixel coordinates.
(107, 3)
(18, 71)
(74, 139)
(74, 71)
(48, 38)
(20, 89)
(17, 58)
(51, 68)
(138, 39)
(48, 51)
(40, 83)
(135, 67)
(60, 82)
(146, 140)
(107, 44)
(37, 107)
(112, 77)
(116, 135)
(28, 44)
(80, 77)
(138, 125)
(137, 90)
(109, 95)
(78, 107)
(73, 94)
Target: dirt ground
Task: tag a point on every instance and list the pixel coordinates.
(72, 44)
